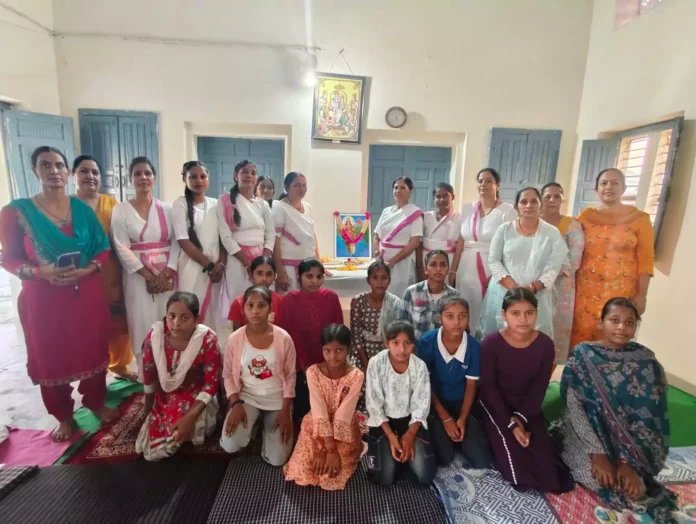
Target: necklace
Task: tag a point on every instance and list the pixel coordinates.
(36, 198)
(525, 232)
(495, 204)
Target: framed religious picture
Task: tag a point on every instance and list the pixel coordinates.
(338, 106)
(352, 237)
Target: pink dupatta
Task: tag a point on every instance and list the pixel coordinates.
(450, 244)
(483, 278)
(386, 243)
(157, 255)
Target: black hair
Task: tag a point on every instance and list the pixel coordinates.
(519, 294)
(261, 260)
(190, 300)
(236, 217)
(551, 184)
(444, 185)
(287, 182)
(494, 174)
(47, 149)
(85, 158)
(435, 253)
(307, 264)
(376, 266)
(619, 302)
(623, 177)
(261, 290)
(528, 188)
(188, 195)
(336, 333)
(141, 160)
(453, 301)
(400, 326)
(264, 178)
(407, 181)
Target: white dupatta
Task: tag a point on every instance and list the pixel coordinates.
(171, 381)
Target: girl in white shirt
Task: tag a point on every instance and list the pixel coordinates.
(398, 401)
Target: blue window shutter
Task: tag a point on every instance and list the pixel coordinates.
(26, 131)
(137, 136)
(595, 156)
(99, 138)
(676, 126)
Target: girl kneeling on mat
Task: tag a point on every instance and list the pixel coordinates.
(398, 401)
(329, 446)
(181, 374)
(452, 357)
(259, 375)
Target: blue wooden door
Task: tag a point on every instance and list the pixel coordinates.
(523, 158)
(595, 156)
(221, 155)
(26, 131)
(115, 138)
(425, 166)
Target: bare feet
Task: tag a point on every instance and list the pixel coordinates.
(130, 376)
(63, 431)
(107, 414)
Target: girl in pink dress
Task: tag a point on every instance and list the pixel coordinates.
(329, 446)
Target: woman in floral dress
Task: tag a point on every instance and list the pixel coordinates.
(330, 444)
(181, 371)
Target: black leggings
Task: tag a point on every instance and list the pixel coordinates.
(381, 466)
(477, 451)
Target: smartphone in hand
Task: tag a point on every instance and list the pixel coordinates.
(68, 259)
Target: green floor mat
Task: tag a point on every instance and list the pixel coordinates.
(681, 406)
(88, 422)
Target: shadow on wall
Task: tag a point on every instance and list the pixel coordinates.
(671, 228)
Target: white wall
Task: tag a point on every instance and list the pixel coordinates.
(640, 72)
(27, 66)
(458, 67)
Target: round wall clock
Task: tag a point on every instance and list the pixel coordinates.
(396, 117)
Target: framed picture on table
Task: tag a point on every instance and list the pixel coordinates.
(338, 108)
(352, 235)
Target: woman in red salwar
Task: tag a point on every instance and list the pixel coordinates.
(181, 374)
(64, 311)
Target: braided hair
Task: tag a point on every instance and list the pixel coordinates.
(236, 217)
(188, 195)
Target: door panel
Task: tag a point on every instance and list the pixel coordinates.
(226, 153)
(99, 138)
(137, 137)
(426, 166)
(523, 158)
(595, 156)
(24, 132)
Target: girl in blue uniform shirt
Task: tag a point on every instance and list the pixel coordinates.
(452, 357)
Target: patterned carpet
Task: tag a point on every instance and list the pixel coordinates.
(482, 496)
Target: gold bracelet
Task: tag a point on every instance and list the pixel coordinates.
(448, 420)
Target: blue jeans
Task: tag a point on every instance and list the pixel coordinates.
(381, 466)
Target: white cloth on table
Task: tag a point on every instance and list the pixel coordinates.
(403, 274)
(128, 230)
(254, 233)
(473, 271)
(525, 260)
(191, 275)
(397, 395)
(297, 237)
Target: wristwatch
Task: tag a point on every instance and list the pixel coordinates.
(209, 267)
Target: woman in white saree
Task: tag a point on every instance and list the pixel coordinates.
(398, 234)
(201, 264)
(143, 237)
(479, 221)
(294, 226)
(246, 230)
(440, 229)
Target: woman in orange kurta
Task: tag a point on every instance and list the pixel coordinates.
(330, 444)
(88, 176)
(618, 257)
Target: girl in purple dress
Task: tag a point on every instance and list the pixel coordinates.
(516, 365)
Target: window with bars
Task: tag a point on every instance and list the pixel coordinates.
(631, 160)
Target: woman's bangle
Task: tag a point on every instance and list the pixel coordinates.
(447, 420)
(239, 401)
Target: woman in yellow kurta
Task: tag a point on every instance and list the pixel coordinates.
(88, 177)
(618, 257)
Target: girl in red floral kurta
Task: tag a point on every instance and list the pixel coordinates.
(329, 446)
(181, 371)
